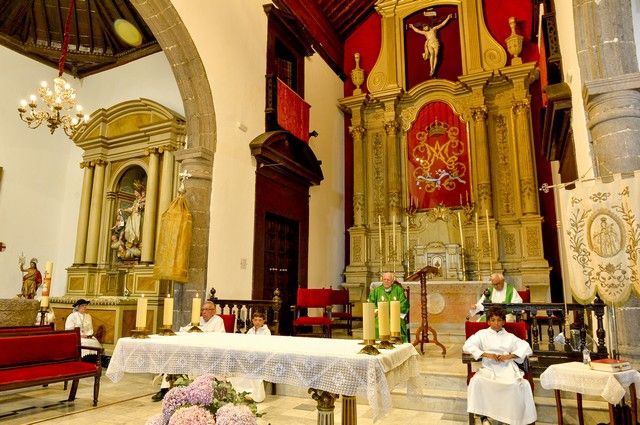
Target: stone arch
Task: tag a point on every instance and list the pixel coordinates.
(177, 45)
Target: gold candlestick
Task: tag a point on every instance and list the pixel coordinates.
(396, 338)
(166, 331)
(139, 333)
(194, 328)
(385, 343)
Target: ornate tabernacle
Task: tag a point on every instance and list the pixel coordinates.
(443, 152)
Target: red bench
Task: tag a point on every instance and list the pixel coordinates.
(10, 330)
(28, 360)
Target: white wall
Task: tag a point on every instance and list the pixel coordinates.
(327, 203)
(42, 180)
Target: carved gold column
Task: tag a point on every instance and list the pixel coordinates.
(357, 132)
(484, 193)
(349, 410)
(95, 212)
(166, 179)
(528, 194)
(325, 405)
(393, 169)
(83, 217)
(150, 207)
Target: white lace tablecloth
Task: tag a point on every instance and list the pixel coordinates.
(580, 378)
(327, 364)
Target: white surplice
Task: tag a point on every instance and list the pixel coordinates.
(84, 322)
(255, 387)
(498, 389)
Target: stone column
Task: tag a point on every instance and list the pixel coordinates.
(609, 69)
(83, 217)
(95, 212)
(357, 132)
(484, 195)
(150, 208)
(197, 162)
(528, 192)
(325, 405)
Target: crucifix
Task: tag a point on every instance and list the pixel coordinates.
(2, 247)
(431, 43)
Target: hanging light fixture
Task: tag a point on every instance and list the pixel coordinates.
(59, 100)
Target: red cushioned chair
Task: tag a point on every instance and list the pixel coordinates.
(519, 329)
(229, 320)
(313, 298)
(344, 318)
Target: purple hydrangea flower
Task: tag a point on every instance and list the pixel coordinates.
(192, 415)
(231, 414)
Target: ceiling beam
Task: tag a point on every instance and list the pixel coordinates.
(326, 40)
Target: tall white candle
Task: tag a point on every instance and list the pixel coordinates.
(167, 317)
(44, 301)
(486, 214)
(477, 233)
(49, 267)
(380, 235)
(195, 309)
(460, 229)
(141, 312)
(368, 320)
(393, 238)
(383, 318)
(394, 318)
(407, 235)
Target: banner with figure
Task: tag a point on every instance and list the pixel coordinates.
(602, 238)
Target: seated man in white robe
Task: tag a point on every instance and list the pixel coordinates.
(79, 318)
(498, 389)
(255, 387)
(209, 322)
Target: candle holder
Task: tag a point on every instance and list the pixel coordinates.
(43, 315)
(166, 330)
(194, 328)
(369, 347)
(395, 338)
(385, 344)
(139, 333)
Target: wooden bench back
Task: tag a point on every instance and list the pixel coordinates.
(243, 309)
(8, 330)
(28, 349)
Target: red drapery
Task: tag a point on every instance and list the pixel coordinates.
(293, 112)
(438, 158)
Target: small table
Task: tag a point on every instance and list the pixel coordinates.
(581, 379)
(328, 367)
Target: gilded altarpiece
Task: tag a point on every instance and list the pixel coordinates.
(445, 161)
(130, 176)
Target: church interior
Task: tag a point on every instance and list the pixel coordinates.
(256, 153)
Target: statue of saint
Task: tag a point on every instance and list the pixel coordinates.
(126, 234)
(31, 279)
(431, 44)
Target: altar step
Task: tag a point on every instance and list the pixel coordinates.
(444, 390)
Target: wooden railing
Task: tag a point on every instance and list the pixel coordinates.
(243, 309)
(553, 316)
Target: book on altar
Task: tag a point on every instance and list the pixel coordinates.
(610, 365)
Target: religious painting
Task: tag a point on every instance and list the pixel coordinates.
(438, 158)
(126, 232)
(432, 45)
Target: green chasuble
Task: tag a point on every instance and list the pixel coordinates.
(395, 293)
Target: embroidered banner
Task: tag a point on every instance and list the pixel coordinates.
(293, 112)
(438, 158)
(602, 238)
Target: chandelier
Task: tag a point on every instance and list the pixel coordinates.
(59, 100)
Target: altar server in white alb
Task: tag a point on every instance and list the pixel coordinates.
(498, 389)
(81, 319)
(255, 387)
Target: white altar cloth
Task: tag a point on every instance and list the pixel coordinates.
(332, 365)
(580, 378)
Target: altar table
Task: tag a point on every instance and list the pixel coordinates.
(331, 365)
(581, 379)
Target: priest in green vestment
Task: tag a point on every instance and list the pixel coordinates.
(390, 290)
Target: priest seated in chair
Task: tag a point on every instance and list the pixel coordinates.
(391, 290)
(499, 292)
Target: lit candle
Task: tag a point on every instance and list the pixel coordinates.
(141, 312)
(380, 235)
(394, 318)
(195, 310)
(393, 224)
(477, 233)
(486, 213)
(460, 228)
(368, 320)
(167, 317)
(383, 319)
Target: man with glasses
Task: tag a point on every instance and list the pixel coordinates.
(499, 293)
(209, 322)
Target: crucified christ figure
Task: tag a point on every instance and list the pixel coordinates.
(431, 44)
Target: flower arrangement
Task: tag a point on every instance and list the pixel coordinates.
(205, 401)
